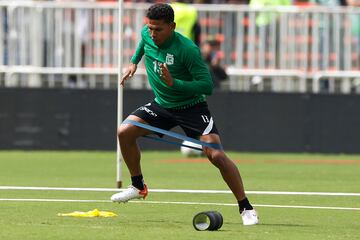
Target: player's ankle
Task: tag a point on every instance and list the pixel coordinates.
(244, 204)
(138, 182)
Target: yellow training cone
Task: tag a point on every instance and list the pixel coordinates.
(93, 213)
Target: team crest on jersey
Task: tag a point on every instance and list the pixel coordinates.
(169, 59)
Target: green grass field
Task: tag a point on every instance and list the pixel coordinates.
(24, 214)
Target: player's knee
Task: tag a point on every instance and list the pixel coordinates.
(122, 132)
(216, 157)
(128, 133)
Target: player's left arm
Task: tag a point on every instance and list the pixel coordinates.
(202, 82)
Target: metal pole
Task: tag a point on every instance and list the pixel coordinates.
(120, 94)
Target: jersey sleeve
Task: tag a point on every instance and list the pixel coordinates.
(138, 53)
(202, 82)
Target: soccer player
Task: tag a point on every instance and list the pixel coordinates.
(180, 81)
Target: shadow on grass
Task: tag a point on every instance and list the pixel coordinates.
(272, 225)
(283, 225)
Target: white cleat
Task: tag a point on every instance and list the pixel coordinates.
(130, 193)
(249, 217)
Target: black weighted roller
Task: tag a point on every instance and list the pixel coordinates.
(208, 220)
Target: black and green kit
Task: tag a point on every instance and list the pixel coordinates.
(192, 80)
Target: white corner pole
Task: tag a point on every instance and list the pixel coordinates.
(119, 94)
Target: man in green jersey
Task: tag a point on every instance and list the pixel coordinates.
(180, 81)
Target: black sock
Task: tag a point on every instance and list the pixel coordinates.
(138, 182)
(244, 204)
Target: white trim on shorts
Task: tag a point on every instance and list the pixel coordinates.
(209, 127)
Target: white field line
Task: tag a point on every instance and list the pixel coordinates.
(181, 191)
(177, 203)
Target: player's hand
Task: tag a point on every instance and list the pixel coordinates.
(166, 76)
(129, 73)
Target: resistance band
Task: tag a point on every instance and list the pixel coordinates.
(174, 135)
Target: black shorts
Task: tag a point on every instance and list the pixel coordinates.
(195, 120)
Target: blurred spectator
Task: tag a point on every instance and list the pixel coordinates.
(354, 3)
(355, 20)
(266, 18)
(186, 19)
(209, 50)
(303, 3)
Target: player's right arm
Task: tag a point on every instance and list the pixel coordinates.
(133, 63)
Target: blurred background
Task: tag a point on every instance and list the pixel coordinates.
(287, 71)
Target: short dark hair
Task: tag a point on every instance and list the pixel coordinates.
(161, 11)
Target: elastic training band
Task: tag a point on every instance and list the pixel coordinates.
(174, 135)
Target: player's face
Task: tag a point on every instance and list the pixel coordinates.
(160, 31)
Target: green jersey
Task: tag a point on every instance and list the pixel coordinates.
(192, 80)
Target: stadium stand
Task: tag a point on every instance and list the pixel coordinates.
(66, 44)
